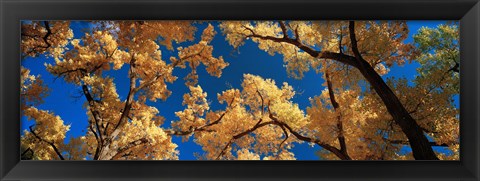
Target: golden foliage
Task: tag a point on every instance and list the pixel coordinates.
(47, 36)
(244, 125)
(259, 121)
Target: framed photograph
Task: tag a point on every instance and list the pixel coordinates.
(239, 90)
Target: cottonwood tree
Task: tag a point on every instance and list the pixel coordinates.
(357, 50)
(122, 129)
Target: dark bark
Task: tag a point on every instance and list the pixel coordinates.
(403, 142)
(336, 106)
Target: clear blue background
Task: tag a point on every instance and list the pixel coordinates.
(66, 100)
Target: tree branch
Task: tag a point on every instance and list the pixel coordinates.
(244, 133)
(200, 128)
(48, 142)
(286, 136)
(353, 40)
(95, 113)
(328, 147)
(146, 84)
(44, 38)
(23, 155)
(284, 29)
(49, 32)
(346, 59)
(282, 125)
(405, 142)
(340, 48)
(99, 142)
(341, 137)
(128, 146)
(261, 97)
(129, 100)
(125, 112)
(297, 36)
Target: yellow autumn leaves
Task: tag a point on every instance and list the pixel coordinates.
(260, 120)
(242, 125)
(112, 45)
(45, 37)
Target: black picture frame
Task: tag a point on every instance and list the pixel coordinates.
(13, 11)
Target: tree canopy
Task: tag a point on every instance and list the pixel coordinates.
(359, 115)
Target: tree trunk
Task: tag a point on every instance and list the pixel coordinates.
(419, 143)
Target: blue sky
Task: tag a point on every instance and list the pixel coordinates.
(66, 100)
